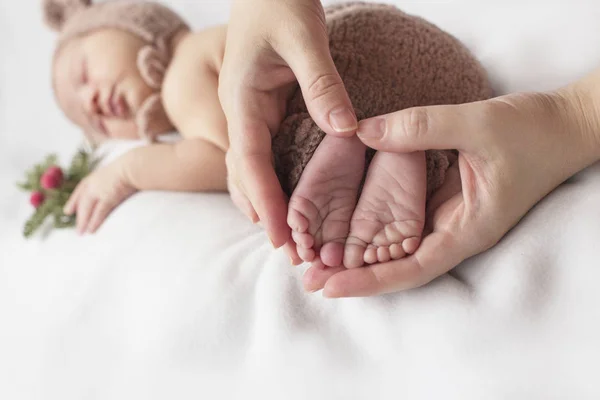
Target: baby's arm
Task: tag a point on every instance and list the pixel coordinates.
(192, 165)
(190, 96)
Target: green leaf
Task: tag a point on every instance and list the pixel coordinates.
(25, 187)
(38, 218)
(81, 165)
(62, 221)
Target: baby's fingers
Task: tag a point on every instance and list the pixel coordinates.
(71, 206)
(85, 208)
(101, 211)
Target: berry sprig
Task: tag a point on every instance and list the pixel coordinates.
(50, 187)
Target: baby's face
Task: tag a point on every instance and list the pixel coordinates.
(98, 84)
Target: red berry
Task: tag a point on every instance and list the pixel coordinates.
(54, 170)
(37, 199)
(52, 178)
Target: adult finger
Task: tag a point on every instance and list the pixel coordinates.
(251, 156)
(424, 128)
(292, 252)
(317, 275)
(322, 87)
(438, 254)
(241, 201)
(264, 192)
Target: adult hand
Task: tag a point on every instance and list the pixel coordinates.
(513, 151)
(271, 45)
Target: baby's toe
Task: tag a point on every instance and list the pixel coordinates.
(354, 255)
(411, 245)
(296, 221)
(305, 240)
(383, 254)
(370, 256)
(396, 251)
(306, 254)
(332, 254)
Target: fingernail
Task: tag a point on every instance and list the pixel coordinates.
(309, 289)
(330, 293)
(373, 128)
(343, 120)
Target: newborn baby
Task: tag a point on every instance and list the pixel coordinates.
(134, 69)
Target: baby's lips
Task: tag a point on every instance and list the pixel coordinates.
(119, 107)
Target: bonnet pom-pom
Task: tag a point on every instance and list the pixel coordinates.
(57, 12)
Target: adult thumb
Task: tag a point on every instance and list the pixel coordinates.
(323, 89)
(421, 128)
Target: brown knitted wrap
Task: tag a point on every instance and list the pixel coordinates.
(388, 61)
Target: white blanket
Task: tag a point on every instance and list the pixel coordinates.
(180, 297)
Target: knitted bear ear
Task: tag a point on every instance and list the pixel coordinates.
(57, 12)
(152, 64)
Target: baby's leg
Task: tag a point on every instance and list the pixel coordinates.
(322, 204)
(390, 215)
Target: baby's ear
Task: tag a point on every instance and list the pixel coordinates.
(57, 12)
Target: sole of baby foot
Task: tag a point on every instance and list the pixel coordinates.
(388, 221)
(322, 204)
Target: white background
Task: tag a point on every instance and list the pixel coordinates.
(179, 297)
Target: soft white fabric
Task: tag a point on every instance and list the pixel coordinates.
(179, 296)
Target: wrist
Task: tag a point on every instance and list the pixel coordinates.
(583, 111)
(124, 169)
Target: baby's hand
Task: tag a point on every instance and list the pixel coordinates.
(97, 195)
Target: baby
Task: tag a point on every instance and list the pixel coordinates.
(134, 69)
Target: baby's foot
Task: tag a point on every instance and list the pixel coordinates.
(389, 217)
(324, 199)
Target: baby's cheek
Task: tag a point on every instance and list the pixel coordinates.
(137, 92)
